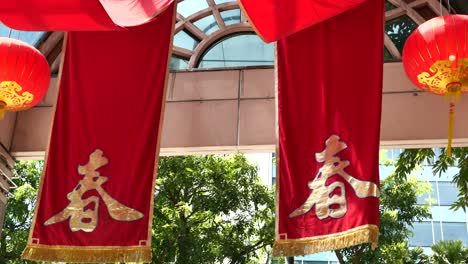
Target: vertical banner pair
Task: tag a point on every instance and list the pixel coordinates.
(95, 201)
(329, 81)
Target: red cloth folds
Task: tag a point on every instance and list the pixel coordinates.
(276, 19)
(78, 15)
(95, 202)
(55, 15)
(127, 13)
(329, 106)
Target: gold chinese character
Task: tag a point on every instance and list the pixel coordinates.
(83, 213)
(330, 200)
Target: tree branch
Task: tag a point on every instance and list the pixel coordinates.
(339, 256)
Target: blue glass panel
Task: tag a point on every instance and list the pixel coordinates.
(425, 233)
(31, 37)
(178, 63)
(444, 214)
(447, 193)
(223, 1)
(207, 24)
(385, 171)
(189, 7)
(238, 50)
(231, 17)
(184, 40)
(455, 231)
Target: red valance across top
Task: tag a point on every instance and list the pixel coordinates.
(277, 19)
(78, 15)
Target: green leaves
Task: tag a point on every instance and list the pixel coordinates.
(19, 211)
(449, 252)
(411, 158)
(211, 209)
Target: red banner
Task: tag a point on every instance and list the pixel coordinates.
(329, 104)
(277, 19)
(71, 15)
(95, 200)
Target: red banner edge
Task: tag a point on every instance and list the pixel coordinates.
(242, 8)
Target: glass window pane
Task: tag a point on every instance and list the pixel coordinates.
(207, 24)
(189, 7)
(399, 29)
(184, 40)
(223, 1)
(31, 37)
(448, 175)
(424, 234)
(444, 214)
(455, 231)
(178, 63)
(231, 17)
(238, 50)
(447, 193)
(428, 174)
(385, 171)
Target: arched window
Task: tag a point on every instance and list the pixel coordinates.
(238, 50)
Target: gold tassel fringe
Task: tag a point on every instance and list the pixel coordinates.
(301, 247)
(453, 95)
(450, 130)
(86, 254)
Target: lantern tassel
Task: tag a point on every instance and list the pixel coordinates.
(453, 94)
(450, 129)
(2, 110)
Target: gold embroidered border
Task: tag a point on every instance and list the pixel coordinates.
(306, 246)
(86, 254)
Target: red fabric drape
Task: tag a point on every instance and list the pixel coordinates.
(95, 202)
(276, 19)
(329, 105)
(78, 15)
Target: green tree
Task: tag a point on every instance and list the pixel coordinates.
(19, 211)
(449, 252)
(411, 158)
(211, 209)
(398, 211)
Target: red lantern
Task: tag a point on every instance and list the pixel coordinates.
(24, 75)
(435, 58)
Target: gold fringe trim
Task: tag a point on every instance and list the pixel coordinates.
(86, 254)
(306, 246)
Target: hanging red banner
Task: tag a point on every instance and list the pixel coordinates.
(277, 19)
(95, 200)
(329, 105)
(72, 15)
